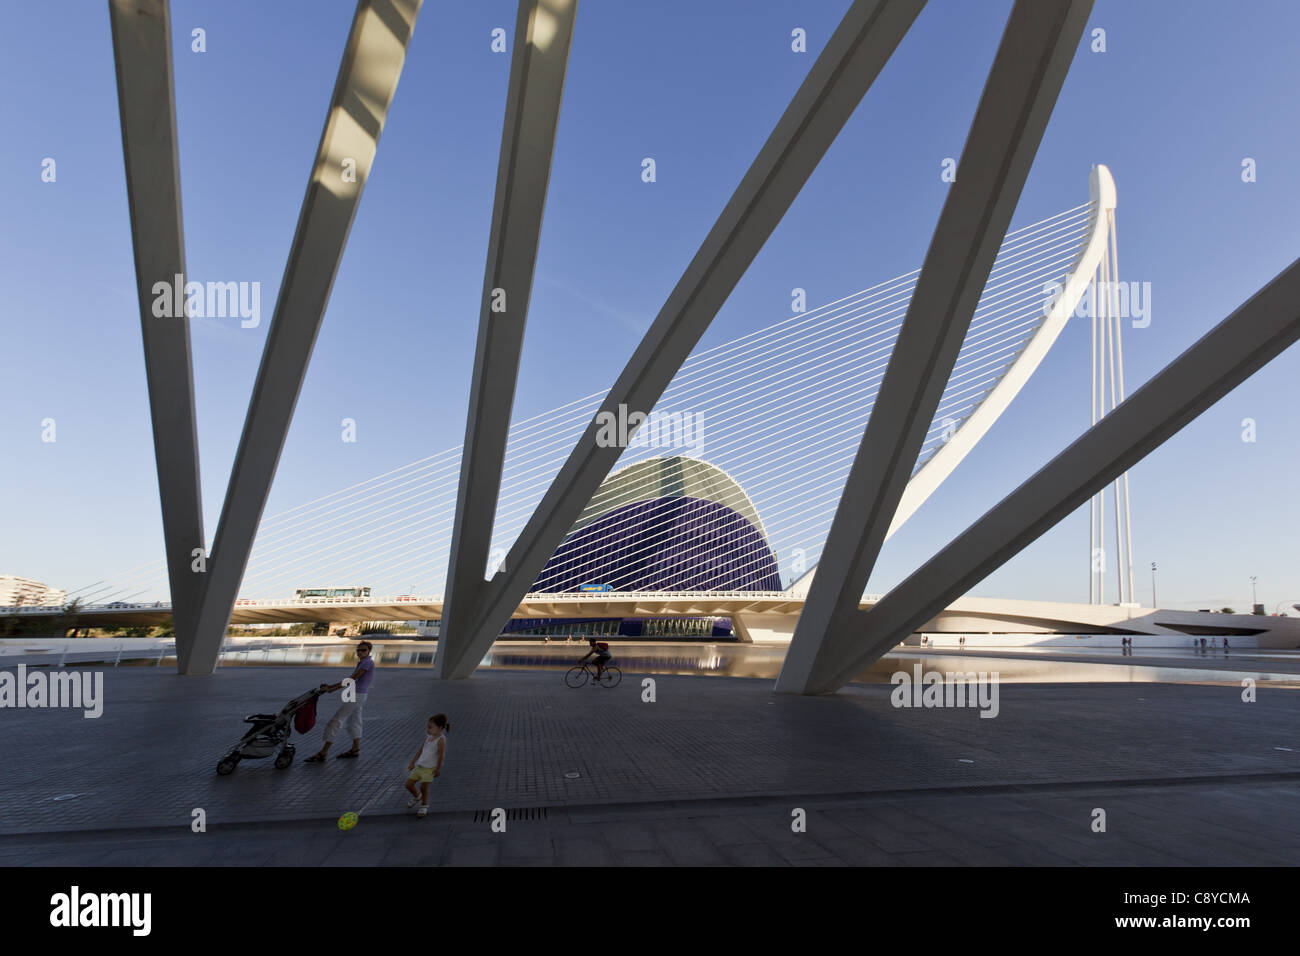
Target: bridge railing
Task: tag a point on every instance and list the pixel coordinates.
(594, 597)
(61, 609)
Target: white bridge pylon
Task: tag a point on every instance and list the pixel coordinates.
(1107, 345)
(1061, 306)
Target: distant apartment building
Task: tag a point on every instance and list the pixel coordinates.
(16, 591)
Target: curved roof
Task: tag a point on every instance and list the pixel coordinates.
(669, 476)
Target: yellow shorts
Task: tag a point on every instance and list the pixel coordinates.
(422, 775)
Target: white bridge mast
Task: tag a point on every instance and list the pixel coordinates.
(1107, 394)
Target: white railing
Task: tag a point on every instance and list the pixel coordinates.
(538, 597)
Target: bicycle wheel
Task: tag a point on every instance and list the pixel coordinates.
(611, 677)
(576, 676)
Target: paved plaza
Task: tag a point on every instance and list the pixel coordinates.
(710, 772)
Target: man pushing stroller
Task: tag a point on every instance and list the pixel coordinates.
(349, 712)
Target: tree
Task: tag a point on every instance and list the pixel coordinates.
(68, 619)
(12, 622)
(1226, 610)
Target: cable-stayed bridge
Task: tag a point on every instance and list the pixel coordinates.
(779, 411)
(763, 427)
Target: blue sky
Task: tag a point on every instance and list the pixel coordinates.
(1182, 94)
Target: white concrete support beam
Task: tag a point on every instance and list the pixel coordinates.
(1258, 331)
(543, 34)
(1038, 45)
(841, 75)
(764, 628)
(142, 60)
(367, 80)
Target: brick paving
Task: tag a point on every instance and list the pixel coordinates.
(705, 775)
(1240, 823)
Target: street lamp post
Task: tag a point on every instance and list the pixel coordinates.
(1153, 586)
(1253, 598)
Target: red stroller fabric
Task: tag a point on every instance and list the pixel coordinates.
(305, 719)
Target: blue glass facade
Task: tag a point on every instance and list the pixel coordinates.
(664, 544)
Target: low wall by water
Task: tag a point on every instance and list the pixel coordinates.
(1069, 642)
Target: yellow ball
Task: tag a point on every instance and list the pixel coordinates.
(347, 821)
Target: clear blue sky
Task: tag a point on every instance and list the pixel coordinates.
(1183, 93)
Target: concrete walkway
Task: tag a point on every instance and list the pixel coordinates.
(1159, 825)
(710, 772)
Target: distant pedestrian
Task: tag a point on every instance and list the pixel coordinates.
(349, 711)
(427, 763)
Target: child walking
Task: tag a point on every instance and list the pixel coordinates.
(427, 764)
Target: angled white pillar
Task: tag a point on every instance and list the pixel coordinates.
(841, 75)
(142, 60)
(367, 79)
(543, 33)
(1038, 45)
(1254, 334)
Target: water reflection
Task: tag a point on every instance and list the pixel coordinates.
(764, 661)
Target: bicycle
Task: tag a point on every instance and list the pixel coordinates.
(579, 674)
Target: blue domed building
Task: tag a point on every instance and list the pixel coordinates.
(664, 524)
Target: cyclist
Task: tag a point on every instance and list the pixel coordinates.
(600, 651)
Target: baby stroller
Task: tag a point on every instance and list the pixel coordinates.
(271, 732)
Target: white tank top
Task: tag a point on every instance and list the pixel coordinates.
(429, 755)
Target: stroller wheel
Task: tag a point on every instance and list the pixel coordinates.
(283, 759)
(227, 765)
